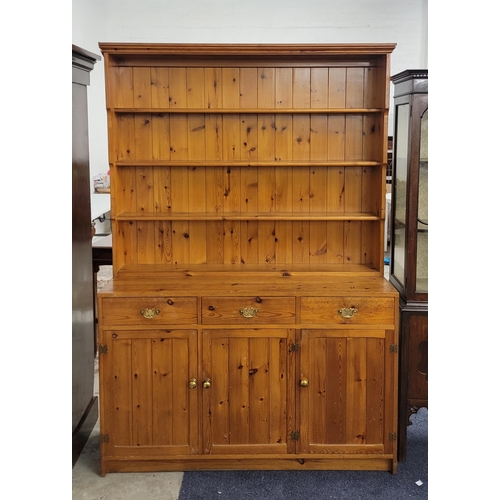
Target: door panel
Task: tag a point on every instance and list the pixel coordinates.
(147, 401)
(248, 403)
(342, 407)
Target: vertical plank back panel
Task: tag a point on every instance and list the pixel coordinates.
(163, 242)
(249, 234)
(266, 88)
(179, 175)
(352, 242)
(215, 242)
(319, 88)
(160, 130)
(301, 85)
(162, 190)
(213, 137)
(121, 87)
(230, 88)
(335, 242)
(177, 82)
(248, 87)
(160, 95)
(354, 88)
(249, 137)
(142, 87)
(213, 96)
(284, 243)
(231, 143)
(195, 90)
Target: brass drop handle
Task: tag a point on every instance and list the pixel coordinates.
(304, 382)
(348, 312)
(248, 312)
(192, 383)
(150, 313)
(207, 383)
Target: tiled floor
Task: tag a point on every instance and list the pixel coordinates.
(89, 485)
(87, 481)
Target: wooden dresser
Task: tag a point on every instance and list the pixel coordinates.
(248, 324)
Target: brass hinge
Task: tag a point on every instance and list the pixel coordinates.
(294, 435)
(394, 348)
(104, 438)
(295, 347)
(103, 349)
(393, 436)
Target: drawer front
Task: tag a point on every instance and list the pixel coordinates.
(148, 311)
(347, 310)
(247, 310)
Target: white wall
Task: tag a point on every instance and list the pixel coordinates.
(234, 21)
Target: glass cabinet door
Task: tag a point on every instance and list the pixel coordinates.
(421, 285)
(400, 188)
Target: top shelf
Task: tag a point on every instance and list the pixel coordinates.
(242, 111)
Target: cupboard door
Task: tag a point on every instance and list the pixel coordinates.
(248, 402)
(346, 391)
(148, 406)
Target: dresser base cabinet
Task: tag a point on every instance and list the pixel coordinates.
(257, 375)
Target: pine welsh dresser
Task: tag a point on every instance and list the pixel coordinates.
(248, 324)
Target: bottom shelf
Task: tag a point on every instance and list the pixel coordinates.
(135, 271)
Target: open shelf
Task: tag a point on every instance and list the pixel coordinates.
(240, 111)
(247, 216)
(245, 163)
(245, 272)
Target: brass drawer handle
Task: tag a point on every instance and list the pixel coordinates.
(348, 312)
(150, 313)
(304, 382)
(192, 383)
(248, 312)
(207, 383)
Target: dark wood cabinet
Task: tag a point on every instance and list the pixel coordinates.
(409, 241)
(84, 404)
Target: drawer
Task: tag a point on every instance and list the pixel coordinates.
(148, 311)
(247, 310)
(348, 310)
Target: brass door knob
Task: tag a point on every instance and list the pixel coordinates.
(207, 383)
(304, 382)
(192, 383)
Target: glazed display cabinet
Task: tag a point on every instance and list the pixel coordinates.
(248, 324)
(409, 241)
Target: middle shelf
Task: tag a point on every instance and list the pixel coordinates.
(246, 216)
